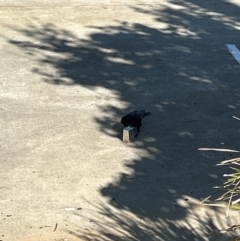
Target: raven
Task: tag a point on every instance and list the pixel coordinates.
(134, 119)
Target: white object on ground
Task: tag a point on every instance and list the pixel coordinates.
(128, 134)
(70, 209)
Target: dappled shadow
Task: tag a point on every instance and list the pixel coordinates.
(111, 223)
(180, 70)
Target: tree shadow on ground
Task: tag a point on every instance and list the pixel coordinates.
(180, 70)
(116, 224)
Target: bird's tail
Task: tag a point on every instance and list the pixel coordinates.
(143, 113)
(147, 114)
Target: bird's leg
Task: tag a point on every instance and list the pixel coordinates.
(138, 131)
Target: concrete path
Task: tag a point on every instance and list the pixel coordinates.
(69, 71)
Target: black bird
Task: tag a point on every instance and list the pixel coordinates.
(134, 119)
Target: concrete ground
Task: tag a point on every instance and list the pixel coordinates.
(69, 71)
